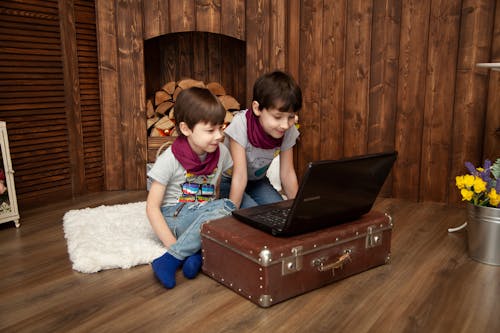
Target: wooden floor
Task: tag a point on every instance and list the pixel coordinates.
(431, 285)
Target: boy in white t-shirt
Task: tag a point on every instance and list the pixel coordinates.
(257, 135)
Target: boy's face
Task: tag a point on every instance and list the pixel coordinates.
(204, 137)
(273, 121)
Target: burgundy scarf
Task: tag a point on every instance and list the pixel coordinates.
(191, 161)
(256, 135)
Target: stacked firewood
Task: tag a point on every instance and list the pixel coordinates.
(160, 108)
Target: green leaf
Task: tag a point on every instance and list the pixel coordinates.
(495, 169)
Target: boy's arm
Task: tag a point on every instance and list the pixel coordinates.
(239, 176)
(288, 176)
(155, 217)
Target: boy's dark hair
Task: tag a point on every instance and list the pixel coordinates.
(277, 90)
(194, 105)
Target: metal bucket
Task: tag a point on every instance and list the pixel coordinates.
(483, 234)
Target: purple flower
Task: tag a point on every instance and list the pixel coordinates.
(486, 173)
(487, 165)
(472, 169)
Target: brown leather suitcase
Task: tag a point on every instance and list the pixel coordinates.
(267, 270)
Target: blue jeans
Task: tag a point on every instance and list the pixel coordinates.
(186, 226)
(257, 192)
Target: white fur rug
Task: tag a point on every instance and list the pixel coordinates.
(105, 237)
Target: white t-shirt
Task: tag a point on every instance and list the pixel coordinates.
(168, 171)
(258, 159)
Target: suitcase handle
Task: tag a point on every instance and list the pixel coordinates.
(334, 265)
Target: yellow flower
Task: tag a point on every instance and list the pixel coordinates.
(494, 197)
(479, 185)
(466, 194)
(460, 182)
(469, 180)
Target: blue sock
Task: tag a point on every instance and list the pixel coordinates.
(192, 266)
(164, 268)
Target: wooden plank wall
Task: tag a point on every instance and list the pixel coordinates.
(49, 97)
(387, 74)
(376, 75)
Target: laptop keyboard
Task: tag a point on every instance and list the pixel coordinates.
(275, 218)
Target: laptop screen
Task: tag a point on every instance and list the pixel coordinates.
(342, 189)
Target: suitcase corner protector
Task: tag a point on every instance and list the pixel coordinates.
(265, 301)
(265, 256)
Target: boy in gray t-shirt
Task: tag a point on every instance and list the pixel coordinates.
(183, 192)
(257, 135)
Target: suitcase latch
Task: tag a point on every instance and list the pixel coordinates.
(293, 263)
(373, 238)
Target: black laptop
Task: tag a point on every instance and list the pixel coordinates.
(331, 192)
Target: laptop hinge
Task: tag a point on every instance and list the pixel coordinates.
(292, 263)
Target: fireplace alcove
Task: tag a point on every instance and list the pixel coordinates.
(203, 56)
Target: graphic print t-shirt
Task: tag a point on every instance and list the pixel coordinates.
(183, 186)
(258, 159)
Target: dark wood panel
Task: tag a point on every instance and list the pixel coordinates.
(383, 74)
(133, 105)
(72, 93)
(332, 81)
(208, 16)
(310, 78)
(200, 56)
(233, 70)
(438, 112)
(257, 32)
(277, 35)
(185, 21)
(356, 99)
(233, 18)
(185, 57)
(293, 38)
(155, 12)
(215, 58)
(411, 98)
(386, 26)
(110, 94)
(492, 125)
(169, 55)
